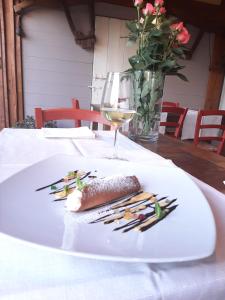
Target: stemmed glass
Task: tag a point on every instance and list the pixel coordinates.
(117, 104)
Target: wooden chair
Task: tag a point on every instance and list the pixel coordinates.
(172, 104)
(210, 124)
(178, 115)
(221, 146)
(76, 105)
(45, 115)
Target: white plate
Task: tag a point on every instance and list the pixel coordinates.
(188, 233)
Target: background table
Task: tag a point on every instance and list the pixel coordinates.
(33, 273)
(203, 164)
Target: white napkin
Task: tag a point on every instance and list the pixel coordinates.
(75, 133)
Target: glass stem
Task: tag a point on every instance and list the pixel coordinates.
(115, 136)
(115, 140)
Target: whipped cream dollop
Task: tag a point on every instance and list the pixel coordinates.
(73, 201)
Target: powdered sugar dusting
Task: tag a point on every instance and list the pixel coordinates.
(117, 183)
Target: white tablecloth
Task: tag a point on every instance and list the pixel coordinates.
(38, 274)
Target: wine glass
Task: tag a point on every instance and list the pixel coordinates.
(117, 104)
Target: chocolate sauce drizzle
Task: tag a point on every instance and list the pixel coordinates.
(130, 209)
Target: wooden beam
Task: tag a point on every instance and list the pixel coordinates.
(4, 106)
(85, 41)
(23, 5)
(19, 76)
(12, 87)
(216, 74)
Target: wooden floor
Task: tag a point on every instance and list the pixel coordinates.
(201, 163)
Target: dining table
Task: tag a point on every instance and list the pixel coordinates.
(30, 272)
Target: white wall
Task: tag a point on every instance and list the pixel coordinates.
(191, 94)
(55, 68)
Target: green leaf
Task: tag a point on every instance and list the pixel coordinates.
(137, 62)
(71, 173)
(182, 76)
(130, 43)
(132, 26)
(160, 213)
(53, 187)
(80, 184)
(145, 90)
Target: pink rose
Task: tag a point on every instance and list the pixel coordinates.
(138, 2)
(162, 10)
(148, 10)
(159, 2)
(177, 26)
(183, 37)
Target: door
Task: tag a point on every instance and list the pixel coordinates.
(111, 52)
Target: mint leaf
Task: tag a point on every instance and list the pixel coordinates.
(160, 213)
(80, 184)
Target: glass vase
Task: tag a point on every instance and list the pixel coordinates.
(148, 92)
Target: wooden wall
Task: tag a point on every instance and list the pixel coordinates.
(11, 90)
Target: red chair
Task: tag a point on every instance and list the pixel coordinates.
(76, 105)
(178, 115)
(221, 146)
(172, 104)
(208, 124)
(45, 115)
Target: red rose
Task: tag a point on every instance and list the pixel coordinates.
(183, 37)
(148, 10)
(177, 26)
(138, 2)
(159, 2)
(162, 10)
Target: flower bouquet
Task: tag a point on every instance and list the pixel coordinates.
(160, 42)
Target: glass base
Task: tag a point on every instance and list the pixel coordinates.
(151, 138)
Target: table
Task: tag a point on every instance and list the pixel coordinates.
(37, 274)
(205, 165)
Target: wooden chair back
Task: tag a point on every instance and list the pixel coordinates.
(76, 105)
(179, 114)
(221, 146)
(200, 125)
(45, 115)
(169, 103)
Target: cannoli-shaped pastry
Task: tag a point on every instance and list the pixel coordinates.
(101, 191)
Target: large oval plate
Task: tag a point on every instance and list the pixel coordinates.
(188, 233)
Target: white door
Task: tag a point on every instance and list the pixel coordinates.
(111, 52)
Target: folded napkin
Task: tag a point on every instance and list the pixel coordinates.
(73, 133)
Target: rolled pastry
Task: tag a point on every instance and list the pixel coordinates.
(101, 191)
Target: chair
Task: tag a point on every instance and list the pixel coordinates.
(221, 146)
(178, 115)
(45, 115)
(210, 119)
(172, 104)
(76, 105)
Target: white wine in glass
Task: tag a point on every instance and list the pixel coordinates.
(117, 104)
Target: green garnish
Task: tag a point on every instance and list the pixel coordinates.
(53, 187)
(160, 213)
(80, 184)
(71, 174)
(66, 188)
